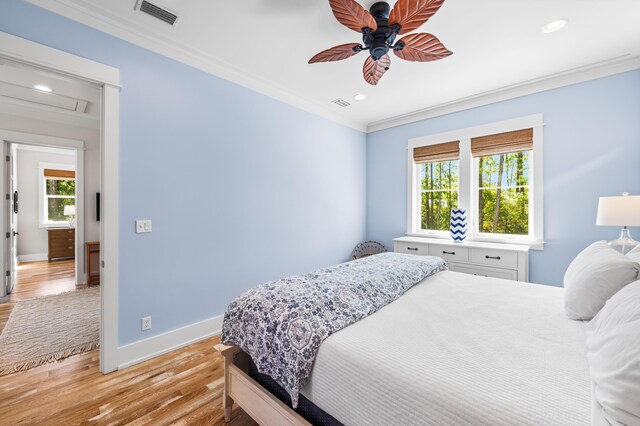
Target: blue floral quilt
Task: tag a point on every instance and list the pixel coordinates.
(282, 323)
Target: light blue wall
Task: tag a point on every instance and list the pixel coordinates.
(591, 149)
(241, 188)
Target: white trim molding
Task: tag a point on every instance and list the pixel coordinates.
(102, 19)
(467, 186)
(41, 56)
(143, 350)
(573, 76)
(36, 257)
(21, 50)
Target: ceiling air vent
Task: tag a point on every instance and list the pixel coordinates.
(157, 12)
(341, 102)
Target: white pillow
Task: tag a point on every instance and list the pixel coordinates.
(635, 254)
(613, 351)
(596, 274)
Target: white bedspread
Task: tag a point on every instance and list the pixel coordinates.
(458, 349)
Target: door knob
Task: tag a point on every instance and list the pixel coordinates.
(15, 233)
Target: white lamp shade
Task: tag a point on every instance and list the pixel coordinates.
(619, 211)
(69, 210)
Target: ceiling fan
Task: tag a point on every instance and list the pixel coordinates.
(379, 29)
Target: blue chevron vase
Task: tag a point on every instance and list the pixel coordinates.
(458, 226)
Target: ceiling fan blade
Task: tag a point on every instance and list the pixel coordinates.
(420, 47)
(410, 14)
(350, 14)
(374, 70)
(337, 53)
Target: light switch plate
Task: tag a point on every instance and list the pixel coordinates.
(143, 226)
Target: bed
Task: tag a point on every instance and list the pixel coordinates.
(454, 349)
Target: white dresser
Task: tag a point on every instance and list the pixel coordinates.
(508, 261)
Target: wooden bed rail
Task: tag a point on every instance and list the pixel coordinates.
(262, 406)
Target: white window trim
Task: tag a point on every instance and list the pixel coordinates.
(42, 207)
(467, 186)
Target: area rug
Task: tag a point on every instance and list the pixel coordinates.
(49, 329)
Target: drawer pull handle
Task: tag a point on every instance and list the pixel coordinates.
(70, 247)
(492, 257)
(453, 253)
(412, 248)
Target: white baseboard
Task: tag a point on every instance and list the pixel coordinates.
(143, 350)
(33, 257)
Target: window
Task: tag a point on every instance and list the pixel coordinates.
(502, 161)
(492, 171)
(438, 165)
(57, 190)
(503, 194)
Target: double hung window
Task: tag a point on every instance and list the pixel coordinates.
(495, 175)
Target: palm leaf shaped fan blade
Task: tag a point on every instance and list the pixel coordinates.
(379, 29)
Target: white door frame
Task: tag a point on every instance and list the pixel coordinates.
(54, 142)
(38, 55)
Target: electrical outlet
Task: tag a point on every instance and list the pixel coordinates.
(146, 323)
(143, 226)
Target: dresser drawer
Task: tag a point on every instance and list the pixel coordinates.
(62, 246)
(450, 253)
(500, 258)
(506, 274)
(66, 251)
(412, 248)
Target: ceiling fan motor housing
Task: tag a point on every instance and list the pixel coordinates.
(381, 40)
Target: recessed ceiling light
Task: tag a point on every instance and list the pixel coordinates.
(43, 88)
(360, 97)
(554, 25)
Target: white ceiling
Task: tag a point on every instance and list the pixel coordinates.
(496, 44)
(72, 101)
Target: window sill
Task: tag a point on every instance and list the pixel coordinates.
(48, 225)
(443, 235)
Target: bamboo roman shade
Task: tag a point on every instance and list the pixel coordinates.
(502, 143)
(441, 152)
(59, 174)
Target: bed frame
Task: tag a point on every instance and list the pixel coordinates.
(256, 401)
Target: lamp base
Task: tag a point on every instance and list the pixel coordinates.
(625, 243)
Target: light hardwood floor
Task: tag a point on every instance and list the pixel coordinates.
(183, 387)
(37, 279)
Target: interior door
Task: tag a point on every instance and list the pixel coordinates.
(12, 209)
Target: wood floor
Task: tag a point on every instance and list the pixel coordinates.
(37, 279)
(183, 387)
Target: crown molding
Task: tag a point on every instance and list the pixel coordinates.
(572, 76)
(102, 20)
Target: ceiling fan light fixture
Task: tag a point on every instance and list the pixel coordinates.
(360, 97)
(43, 88)
(554, 26)
(379, 27)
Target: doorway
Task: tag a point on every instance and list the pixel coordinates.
(108, 78)
(45, 232)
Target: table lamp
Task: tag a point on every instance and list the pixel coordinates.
(620, 211)
(70, 211)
